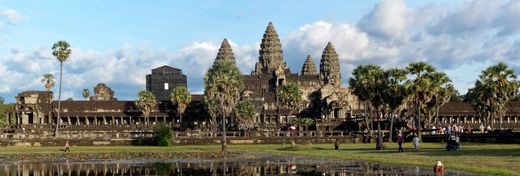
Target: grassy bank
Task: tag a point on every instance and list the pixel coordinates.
(496, 159)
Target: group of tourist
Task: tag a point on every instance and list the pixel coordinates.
(448, 129)
(400, 140)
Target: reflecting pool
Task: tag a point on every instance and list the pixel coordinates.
(266, 166)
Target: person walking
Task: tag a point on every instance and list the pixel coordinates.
(67, 147)
(336, 144)
(400, 141)
(416, 142)
(379, 142)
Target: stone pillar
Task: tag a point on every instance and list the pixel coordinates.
(104, 120)
(68, 120)
(113, 120)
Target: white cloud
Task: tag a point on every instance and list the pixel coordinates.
(123, 69)
(388, 19)
(9, 16)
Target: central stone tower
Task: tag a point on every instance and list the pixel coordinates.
(329, 67)
(271, 55)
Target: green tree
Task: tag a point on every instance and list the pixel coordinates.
(495, 87)
(85, 93)
(61, 50)
(211, 107)
(290, 96)
(368, 84)
(395, 94)
(442, 91)
(222, 86)
(163, 135)
(48, 80)
(245, 115)
(146, 102)
(181, 98)
(305, 122)
(420, 88)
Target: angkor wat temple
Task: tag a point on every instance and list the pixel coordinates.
(325, 99)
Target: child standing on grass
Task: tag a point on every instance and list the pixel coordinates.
(67, 146)
(400, 141)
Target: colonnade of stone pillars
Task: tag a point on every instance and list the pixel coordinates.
(110, 120)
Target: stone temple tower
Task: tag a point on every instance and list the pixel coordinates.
(308, 67)
(329, 67)
(225, 52)
(271, 56)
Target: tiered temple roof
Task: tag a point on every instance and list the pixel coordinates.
(271, 55)
(329, 66)
(308, 67)
(225, 52)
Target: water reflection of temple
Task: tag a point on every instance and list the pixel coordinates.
(238, 168)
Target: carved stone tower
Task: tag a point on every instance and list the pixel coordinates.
(329, 67)
(225, 52)
(271, 56)
(308, 67)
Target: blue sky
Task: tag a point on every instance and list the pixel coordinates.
(118, 42)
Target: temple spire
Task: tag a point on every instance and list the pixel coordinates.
(271, 56)
(225, 52)
(329, 66)
(308, 67)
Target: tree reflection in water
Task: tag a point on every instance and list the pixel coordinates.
(199, 167)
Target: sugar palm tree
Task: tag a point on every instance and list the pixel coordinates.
(245, 113)
(48, 80)
(61, 50)
(420, 87)
(222, 87)
(146, 102)
(368, 84)
(442, 92)
(495, 87)
(180, 97)
(85, 93)
(290, 96)
(395, 93)
(211, 108)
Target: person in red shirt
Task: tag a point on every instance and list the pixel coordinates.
(439, 168)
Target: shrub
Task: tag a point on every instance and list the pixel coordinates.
(163, 135)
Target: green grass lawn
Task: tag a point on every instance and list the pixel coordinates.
(496, 159)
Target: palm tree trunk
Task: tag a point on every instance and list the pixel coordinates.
(500, 123)
(56, 133)
(371, 120)
(419, 133)
(436, 116)
(224, 143)
(378, 122)
(391, 127)
(180, 118)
